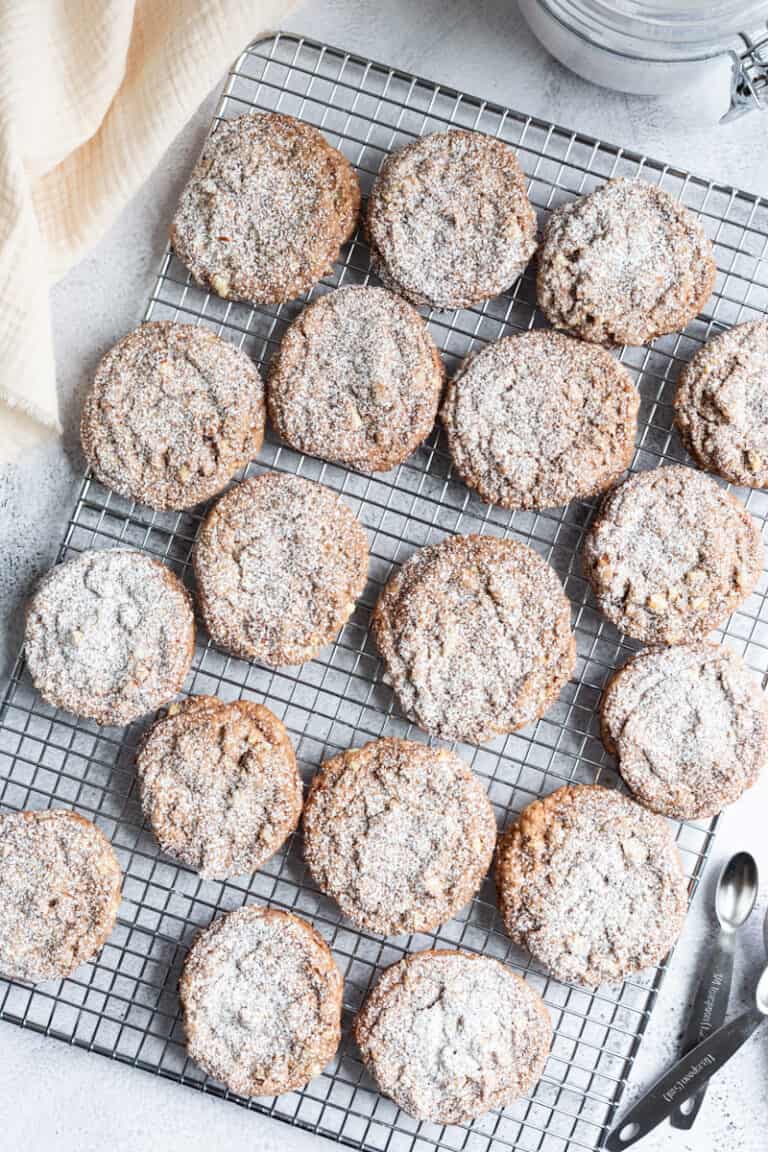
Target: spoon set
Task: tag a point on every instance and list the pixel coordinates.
(708, 1042)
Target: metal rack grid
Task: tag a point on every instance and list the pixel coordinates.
(124, 1004)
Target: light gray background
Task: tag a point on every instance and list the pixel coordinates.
(52, 1097)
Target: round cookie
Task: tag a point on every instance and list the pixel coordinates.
(475, 637)
(266, 209)
(279, 562)
(59, 893)
(534, 421)
(721, 405)
(624, 265)
(449, 1035)
(591, 884)
(689, 727)
(219, 785)
(172, 414)
(357, 380)
(401, 835)
(109, 635)
(261, 997)
(449, 221)
(671, 555)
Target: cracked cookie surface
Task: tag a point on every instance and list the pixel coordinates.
(173, 412)
(449, 221)
(261, 997)
(591, 884)
(356, 380)
(109, 635)
(449, 1035)
(721, 405)
(266, 209)
(536, 420)
(624, 264)
(671, 555)
(475, 637)
(219, 785)
(689, 727)
(59, 893)
(399, 834)
(279, 562)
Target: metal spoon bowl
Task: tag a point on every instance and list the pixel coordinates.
(736, 891)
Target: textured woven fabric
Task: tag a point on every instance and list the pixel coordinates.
(91, 94)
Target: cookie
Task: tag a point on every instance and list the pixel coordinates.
(59, 893)
(475, 637)
(219, 785)
(357, 380)
(172, 414)
(279, 562)
(591, 884)
(261, 997)
(266, 209)
(537, 420)
(689, 727)
(671, 555)
(449, 221)
(721, 405)
(109, 635)
(624, 265)
(449, 1035)
(401, 835)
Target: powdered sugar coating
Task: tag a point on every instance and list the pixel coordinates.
(399, 834)
(624, 264)
(266, 209)
(449, 1035)
(357, 380)
(109, 635)
(721, 405)
(449, 220)
(536, 420)
(671, 555)
(172, 414)
(591, 884)
(689, 726)
(279, 562)
(219, 784)
(59, 893)
(475, 636)
(261, 997)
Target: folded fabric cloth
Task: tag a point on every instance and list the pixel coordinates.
(91, 94)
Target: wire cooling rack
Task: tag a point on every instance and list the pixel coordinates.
(124, 1004)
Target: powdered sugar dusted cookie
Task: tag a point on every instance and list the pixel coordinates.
(109, 635)
(172, 414)
(59, 893)
(721, 406)
(399, 834)
(449, 221)
(357, 380)
(279, 562)
(266, 209)
(219, 785)
(671, 555)
(536, 420)
(261, 997)
(449, 1035)
(689, 726)
(591, 884)
(475, 636)
(624, 264)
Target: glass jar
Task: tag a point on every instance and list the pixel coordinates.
(657, 47)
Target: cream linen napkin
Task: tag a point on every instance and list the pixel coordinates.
(91, 94)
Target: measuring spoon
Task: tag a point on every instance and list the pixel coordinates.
(734, 900)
